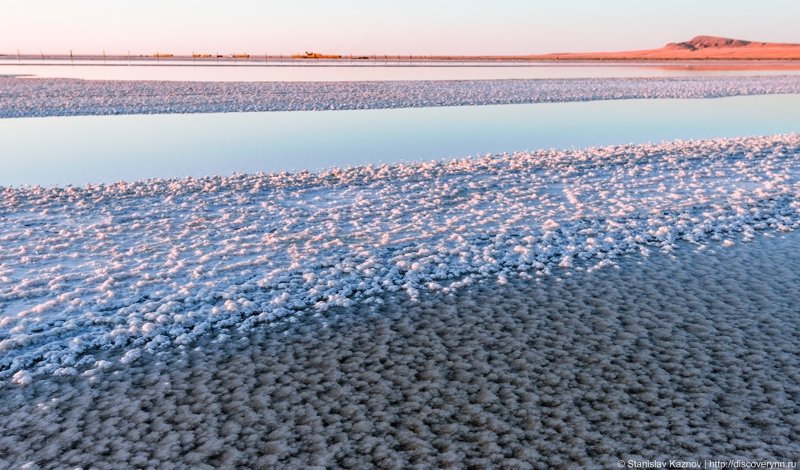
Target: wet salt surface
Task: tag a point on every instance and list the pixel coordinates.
(119, 272)
(691, 355)
(39, 97)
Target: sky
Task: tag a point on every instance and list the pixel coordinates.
(382, 27)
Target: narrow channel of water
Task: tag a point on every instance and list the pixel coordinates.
(255, 70)
(79, 150)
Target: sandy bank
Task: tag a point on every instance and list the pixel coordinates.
(697, 48)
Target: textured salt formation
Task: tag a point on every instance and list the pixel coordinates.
(687, 356)
(131, 268)
(67, 97)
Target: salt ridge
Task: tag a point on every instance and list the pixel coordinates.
(119, 271)
(39, 97)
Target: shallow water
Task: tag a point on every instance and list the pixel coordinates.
(79, 150)
(690, 356)
(287, 70)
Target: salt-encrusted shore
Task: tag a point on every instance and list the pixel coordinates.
(684, 357)
(38, 97)
(108, 274)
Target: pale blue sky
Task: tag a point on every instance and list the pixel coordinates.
(362, 26)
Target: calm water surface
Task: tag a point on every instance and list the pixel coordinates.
(254, 70)
(79, 150)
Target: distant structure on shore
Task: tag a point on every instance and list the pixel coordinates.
(316, 55)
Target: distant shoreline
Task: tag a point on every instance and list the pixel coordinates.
(255, 59)
(699, 48)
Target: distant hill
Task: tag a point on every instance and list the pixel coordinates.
(700, 47)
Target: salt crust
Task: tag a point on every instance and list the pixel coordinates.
(117, 272)
(39, 97)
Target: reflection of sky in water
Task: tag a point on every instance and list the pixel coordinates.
(370, 70)
(78, 150)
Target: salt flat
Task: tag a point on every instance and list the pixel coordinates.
(39, 97)
(687, 356)
(110, 273)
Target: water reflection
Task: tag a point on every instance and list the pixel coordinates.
(273, 70)
(78, 150)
